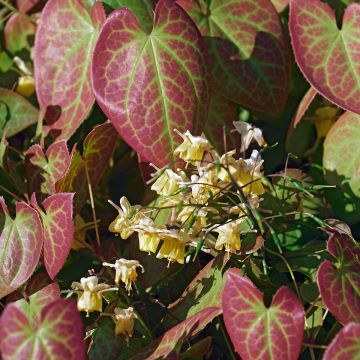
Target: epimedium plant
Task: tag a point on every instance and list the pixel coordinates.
(228, 241)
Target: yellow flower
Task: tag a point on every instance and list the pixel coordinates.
(205, 185)
(173, 247)
(124, 321)
(167, 183)
(26, 85)
(192, 148)
(89, 293)
(229, 166)
(248, 133)
(186, 215)
(148, 235)
(325, 118)
(229, 235)
(128, 216)
(125, 271)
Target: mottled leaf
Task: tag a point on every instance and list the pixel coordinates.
(58, 333)
(247, 51)
(339, 284)
(16, 113)
(346, 344)
(58, 229)
(171, 341)
(63, 48)
(328, 56)
(21, 241)
(44, 170)
(99, 146)
(142, 9)
(150, 84)
(257, 331)
(17, 32)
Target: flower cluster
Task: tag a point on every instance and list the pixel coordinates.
(206, 202)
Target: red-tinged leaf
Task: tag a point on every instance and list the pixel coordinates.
(345, 345)
(280, 5)
(17, 31)
(58, 229)
(21, 241)
(172, 340)
(57, 335)
(258, 332)
(44, 170)
(222, 112)
(328, 57)
(28, 5)
(16, 113)
(150, 84)
(63, 76)
(342, 143)
(247, 51)
(99, 147)
(339, 284)
(37, 282)
(303, 106)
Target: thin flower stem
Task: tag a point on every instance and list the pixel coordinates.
(10, 193)
(315, 346)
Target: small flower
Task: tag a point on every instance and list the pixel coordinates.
(192, 148)
(128, 216)
(173, 247)
(325, 118)
(167, 183)
(125, 271)
(229, 235)
(248, 134)
(124, 321)
(187, 215)
(148, 235)
(26, 85)
(229, 166)
(89, 293)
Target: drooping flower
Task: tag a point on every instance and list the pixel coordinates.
(128, 216)
(229, 166)
(173, 247)
(229, 235)
(148, 235)
(192, 148)
(124, 321)
(195, 216)
(89, 293)
(248, 133)
(167, 183)
(125, 271)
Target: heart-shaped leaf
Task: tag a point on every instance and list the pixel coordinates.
(58, 333)
(150, 84)
(346, 344)
(21, 241)
(44, 170)
(58, 229)
(327, 56)
(63, 48)
(16, 113)
(248, 57)
(339, 284)
(258, 332)
(171, 341)
(99, 147)
(17, 31)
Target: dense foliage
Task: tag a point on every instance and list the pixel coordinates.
(179, 179)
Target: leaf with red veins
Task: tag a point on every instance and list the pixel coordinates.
(328, 57)
(58, 334)
(345, 345)
(171, 341)
(222, 112)
(150, 84)
(58, 229)
(99, 147)
(44, 170)
(339, 284)
(21, 241)
(17, 31)
(258, 332)
(63, 49)
(16, 113)
(247, 51)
